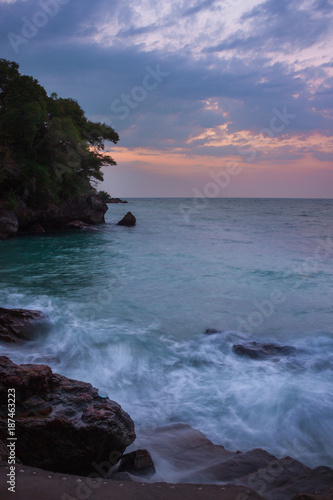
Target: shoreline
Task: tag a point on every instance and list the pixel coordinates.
(40, 484)
(61, 413)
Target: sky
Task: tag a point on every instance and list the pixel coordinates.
(210, 98)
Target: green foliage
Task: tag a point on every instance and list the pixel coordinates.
(49, 151)
(104, 196)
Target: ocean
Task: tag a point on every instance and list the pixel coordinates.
(128, 309)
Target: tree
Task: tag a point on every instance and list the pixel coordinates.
(49, 150)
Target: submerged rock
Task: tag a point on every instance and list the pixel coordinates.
(128, 220)
(257, 350)
(78, 224)
(212, 331)
(138, 462)
(17, 325)
(9, 224)
(62, 425)
(185, 455)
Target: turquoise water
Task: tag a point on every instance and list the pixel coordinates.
(128, 308)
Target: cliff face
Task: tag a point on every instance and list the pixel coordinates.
(89, 209)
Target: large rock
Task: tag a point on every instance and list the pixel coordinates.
(318, 482)
(185, 455)
(137, 462)
(18, 325)
(89, 209)
(185, 451)
(239, 465)
(62, 425)
(128, 220)
(257, 350)
(277, 474)
(8, 224)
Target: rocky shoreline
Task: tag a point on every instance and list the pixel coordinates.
(64, 426)
(83, 211)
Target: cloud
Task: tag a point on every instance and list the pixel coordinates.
(225, 83)
(206, 4)
(277, 25)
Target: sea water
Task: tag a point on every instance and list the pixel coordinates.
(128, 309)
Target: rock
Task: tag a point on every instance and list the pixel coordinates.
(212, 331)
(185, 450)
(184, 455)
(278, 473)
(9, 224)
(317, 482)
(37, 229)
(256, 350)
(90, 209)
(328, 495)
(78, 224)
(128, 220)
(115, 200)
(239, 465)
(62, 425)
(18, 325)
(138, 462)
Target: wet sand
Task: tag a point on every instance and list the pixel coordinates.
(37, 484)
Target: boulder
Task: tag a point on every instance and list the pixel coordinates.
(78, 224)
(138, 462)
(8, 224)
(18, 325)
(257, 350)
(128, 220)
(62, 425)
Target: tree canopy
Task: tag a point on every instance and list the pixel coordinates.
(49, 150)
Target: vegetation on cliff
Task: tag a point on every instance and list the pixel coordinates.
(49, 150)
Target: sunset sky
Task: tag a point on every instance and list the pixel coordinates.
(235, 90)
